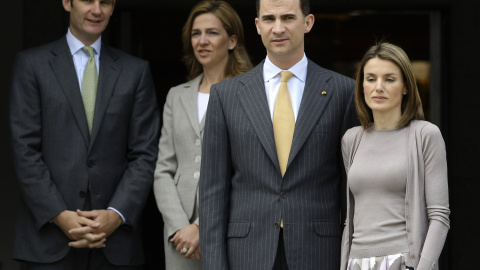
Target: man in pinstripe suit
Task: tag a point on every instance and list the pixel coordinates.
(252, 217)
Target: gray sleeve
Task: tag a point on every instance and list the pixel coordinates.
(436, 195)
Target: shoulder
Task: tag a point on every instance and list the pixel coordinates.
(45, 51)
(122, 57)
(251, 78)
(186, 87)
(315, 69)
(424, 128)
(427, 133)
(352, 134)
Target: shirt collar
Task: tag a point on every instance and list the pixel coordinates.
(270, 70)
(75, 44)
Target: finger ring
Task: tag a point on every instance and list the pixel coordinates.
(184, 250)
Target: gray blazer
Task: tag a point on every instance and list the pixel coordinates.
(178, 164)
(242, 194)
(56, 160)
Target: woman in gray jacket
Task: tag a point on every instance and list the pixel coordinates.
(397, 192)
(214, 50)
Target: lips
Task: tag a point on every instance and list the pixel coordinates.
(379, 98)
(93, 21)
(279, 40)
(203, 52)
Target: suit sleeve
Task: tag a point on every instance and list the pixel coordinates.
(164, 188)
(214, 186)
(350, 120)
(436, 195)
(39, 192)
(135, 184)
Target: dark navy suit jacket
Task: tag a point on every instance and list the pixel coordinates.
(57, 161)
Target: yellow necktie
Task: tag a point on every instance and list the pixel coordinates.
(283, 122)
(89, 86)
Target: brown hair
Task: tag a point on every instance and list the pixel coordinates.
(238, 59)
(411, 103)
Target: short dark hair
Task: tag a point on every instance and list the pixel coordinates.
(304, 6)
(411, 103)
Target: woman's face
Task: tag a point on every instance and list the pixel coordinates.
(383, 86)
(210, 41)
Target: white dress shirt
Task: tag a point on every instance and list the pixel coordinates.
(296, 84)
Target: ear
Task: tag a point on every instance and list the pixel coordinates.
(309, 21)
(232, 42)
(256, 24)
(67, 5)
(113, 7)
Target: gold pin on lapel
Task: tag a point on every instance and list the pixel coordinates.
(324, 92)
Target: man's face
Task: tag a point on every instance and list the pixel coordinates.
(282, 27)
(88, 18)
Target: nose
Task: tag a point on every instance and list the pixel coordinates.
(203, 39)
(278, 28)
(95, 8)
(379, 86)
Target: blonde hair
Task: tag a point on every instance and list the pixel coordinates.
(238, 59)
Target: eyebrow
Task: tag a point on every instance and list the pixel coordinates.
(208, 29)
(388, 74)
(283, 16)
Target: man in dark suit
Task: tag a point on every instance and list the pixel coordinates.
(259, 208)
(85, 164)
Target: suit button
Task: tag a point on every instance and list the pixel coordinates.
(277, 225)
(283, 194)
(196, 175)
(90, 163)
(82, 194)
(197, 142)
(198, 158)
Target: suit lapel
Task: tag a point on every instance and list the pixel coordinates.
(64, 69)
(108, 76)
(190, 104)
(312, 106)
(254, 102)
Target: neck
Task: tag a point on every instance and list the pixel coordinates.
(386, 120)
(285, 62)
(211, 76)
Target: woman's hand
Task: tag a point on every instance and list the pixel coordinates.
(188, 238)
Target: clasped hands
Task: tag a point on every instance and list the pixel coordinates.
(88, 229)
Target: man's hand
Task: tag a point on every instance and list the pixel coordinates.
(69, 221)
(188, 237)
(108, 221)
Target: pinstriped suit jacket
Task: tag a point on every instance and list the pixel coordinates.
(242, 193)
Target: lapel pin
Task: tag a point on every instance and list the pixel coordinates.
(324, 92)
